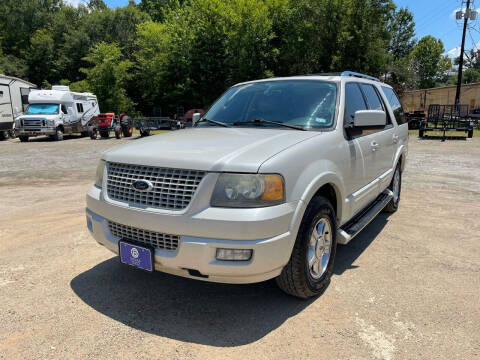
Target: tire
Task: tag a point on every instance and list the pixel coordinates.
(92, 133)
(470, 133)
(297, 277)
(3, 135)
(392, 206)
(118, 132)
(127, 131)
(105, 134)
(58, 135)
(23, 138)
(421, 133)
(144, 133)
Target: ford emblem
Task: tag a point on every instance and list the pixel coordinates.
(142, 185)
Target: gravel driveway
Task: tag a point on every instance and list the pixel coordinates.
(408, 287)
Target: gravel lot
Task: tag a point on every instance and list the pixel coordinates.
(408, 287)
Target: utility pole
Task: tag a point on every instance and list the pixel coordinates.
(466, 15)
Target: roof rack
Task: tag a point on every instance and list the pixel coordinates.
(347, 73)
(355, 74)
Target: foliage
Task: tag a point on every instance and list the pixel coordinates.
(165, 53)
(428, 61)
(107, 77)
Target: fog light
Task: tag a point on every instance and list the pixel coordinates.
(234, 254)
(89, 224)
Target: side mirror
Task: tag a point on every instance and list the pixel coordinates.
(195, 118)
(370, 118)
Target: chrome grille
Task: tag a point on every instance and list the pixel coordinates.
(151, 238)
(33, 123)
(173, 189)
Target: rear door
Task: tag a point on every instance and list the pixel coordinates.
(6, 116)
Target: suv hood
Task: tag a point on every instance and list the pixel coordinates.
(209, 149)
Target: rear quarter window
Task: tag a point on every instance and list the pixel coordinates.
(395, 104)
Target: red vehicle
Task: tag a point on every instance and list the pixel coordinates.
(119, 124)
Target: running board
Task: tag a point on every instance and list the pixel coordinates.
(354, 226)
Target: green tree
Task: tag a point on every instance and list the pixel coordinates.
(107, 77)
(471, 75)
(401, 28)
(40, 57)
(428, 62)
(158, 9)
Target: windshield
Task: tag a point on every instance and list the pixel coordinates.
(302, 103)
(42, 109)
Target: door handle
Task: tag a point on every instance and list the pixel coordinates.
(395, 139)
(374, 145)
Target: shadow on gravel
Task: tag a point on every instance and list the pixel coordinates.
(186, 310)
(347, 254)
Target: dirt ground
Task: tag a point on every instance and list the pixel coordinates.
(408, 287)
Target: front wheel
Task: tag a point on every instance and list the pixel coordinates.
(105, 134)
(395, 187)
(58, 135)
(311, 263)
(23, 138)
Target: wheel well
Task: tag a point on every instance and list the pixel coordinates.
(61, 128)
(328, 191)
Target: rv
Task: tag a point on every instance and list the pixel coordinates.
(57, 112)
(13, 102)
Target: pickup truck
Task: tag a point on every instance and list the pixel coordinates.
(265, 185)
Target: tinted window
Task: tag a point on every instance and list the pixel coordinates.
(371, 95)
(395, 104)
(1, 93)
(64, 109)
(353, 101)
(79, 108)
(305, 103)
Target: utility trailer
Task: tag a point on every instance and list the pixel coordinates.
(447, 118)
(415, 118)
(147, 124)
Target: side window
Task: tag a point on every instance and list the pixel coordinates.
(353, 101)
(1, 94)
(80, 108)
(394, 102)
(371, 96)
(64, 109)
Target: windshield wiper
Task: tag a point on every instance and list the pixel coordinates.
(262, 121)
(214, 122)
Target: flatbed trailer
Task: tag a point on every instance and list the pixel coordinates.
(447, 118)
(148, 124)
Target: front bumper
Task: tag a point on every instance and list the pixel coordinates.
(36, 131)
(269, 232)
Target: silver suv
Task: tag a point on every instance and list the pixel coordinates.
(264, 186)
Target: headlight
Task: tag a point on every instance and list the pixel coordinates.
(51, 122)
(248, 191)
(99, 176)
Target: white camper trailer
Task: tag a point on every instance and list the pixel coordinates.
(13, 102)
(57, 112)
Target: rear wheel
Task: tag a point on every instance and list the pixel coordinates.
(144, 133)
(127, 130)
(58, 135)
(3, 135)
(395, 187)
(105, 134)
(23, 138)
(421, 133)
(311, 263)
(470, 133)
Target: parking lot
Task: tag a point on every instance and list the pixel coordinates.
(408, 287)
